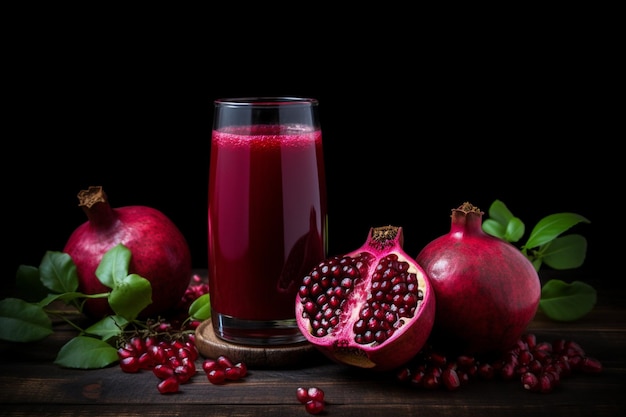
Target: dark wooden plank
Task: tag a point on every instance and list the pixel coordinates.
(30, 384)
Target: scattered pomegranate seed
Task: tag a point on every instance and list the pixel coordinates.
(222, 369)
(591, 365)
(216, 376)
(314, 406)
(168, 385)
(312, 398)
(130, 364)
(302, 394)
(451, 379)
(530, 381)
(540, 366)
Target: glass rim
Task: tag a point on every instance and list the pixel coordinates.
(265, 101)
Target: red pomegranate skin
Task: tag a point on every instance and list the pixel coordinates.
(159, 252)
(487, 291)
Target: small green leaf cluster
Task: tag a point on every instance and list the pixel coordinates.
(547, 245)
(26, 318)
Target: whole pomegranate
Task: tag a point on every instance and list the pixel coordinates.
(371, 308)
(487, 291)
(159, 252)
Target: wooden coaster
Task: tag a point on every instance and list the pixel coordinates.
(279, 356)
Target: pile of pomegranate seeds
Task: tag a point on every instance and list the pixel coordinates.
(194, 290)
(540, 366)
(168, 348)
(222, 369)
(173, 361)
(312, 398)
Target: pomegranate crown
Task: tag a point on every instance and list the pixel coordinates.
(385, 236)
(91, 196)
(468, 207)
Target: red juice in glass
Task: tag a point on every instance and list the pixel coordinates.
(266, 228)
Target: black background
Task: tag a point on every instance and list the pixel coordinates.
(412, 126)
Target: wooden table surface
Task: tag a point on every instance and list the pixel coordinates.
(31, 385)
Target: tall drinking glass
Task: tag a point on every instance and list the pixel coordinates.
(266, 217)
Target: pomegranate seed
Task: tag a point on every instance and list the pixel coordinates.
(450, 379)
(314, 406)
(174, 361)
(216, 376)
(125, 353)
(165, 327)
(525, 357)
(431, 380)
(146, 361)
(464, 377)
(508, 371)
(315, 394)
(169, 385)
(575, 362)
(243, 369)
(138, 345)
(302, 394)
(418, 378)
(465, 361)
(403, 374)
(530, 382)
(563, 367)
(530, 339)
(183, 373)
(224, 361)
(438, 359)
(591, 365)
(555, 378)
(545, 383)
(162, 371)
(233, 373)
(486, 371)
(150, 341)
(535, 366)
(209, 365)
(544, 346)
(574, 348)
(177, 344)
(130, 364)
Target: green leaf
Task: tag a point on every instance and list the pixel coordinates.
(499, 212)
(114, 265)
(108, 328)
(552, 226)
(493, 228)
(130, 295)
(502, 223)
(514, 230)
(565, 252)
(566, 302)
(58, 272)
(200, 309)
(21, 321)
(28, 285)
(84, 352)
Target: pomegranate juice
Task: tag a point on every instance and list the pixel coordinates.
(266, 220)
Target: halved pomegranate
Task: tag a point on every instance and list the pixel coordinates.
(371, 308)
